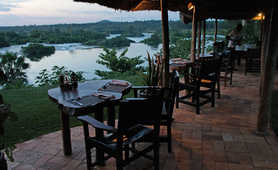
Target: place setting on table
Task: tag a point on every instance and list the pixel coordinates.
(109, 91)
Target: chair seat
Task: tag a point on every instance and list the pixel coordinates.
(205, 81)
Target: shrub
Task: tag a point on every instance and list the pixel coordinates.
(119, 64)
(46, 78)
(12, 68)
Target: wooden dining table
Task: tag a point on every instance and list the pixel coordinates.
(89, 97)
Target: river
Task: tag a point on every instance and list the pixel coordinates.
(77, 57)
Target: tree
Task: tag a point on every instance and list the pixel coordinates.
(35, 52)
(12, 68)
(3, 41)
(181, 49)
(119, 64)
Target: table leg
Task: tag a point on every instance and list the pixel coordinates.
(111, 114)
(99, 134)
(66, 133)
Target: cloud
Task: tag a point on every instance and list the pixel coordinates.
(39, 12)
(5, 7)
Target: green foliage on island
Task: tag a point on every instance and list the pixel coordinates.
(116, 42)
(118, 64)
(154, 40)
(35, 52)
(3, 41)
(12, 69)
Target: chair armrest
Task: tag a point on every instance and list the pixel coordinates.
(134, 99)
(96, 124)
(145, 87)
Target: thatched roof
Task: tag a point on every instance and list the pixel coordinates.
(222, 9)
(139, 5)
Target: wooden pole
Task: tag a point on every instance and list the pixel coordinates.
(271, 54)
(199, 38)
(204, 38)
(264, 35)
(216, 30)
(165, 41)
(193, 41)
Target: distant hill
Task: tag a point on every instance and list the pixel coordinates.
(105, 26)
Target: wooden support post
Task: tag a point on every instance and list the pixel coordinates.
(194, 27)
(204, 38)
(216, 30)
(264, 35)
(199, 38)
(165, 41)
(271, 54)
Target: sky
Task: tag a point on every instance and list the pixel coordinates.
(47, 12)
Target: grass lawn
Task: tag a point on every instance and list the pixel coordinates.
(36, 114)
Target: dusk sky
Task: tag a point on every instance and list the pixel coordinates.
(40, 12)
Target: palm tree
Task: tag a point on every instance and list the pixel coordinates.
(12, 68)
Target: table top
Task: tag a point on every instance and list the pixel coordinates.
(89, 94)
(179, 63)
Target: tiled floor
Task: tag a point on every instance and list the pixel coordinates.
(220, 138)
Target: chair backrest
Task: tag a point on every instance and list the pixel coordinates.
(218, 47)
(146, 111)
(169, 94)
(209, 68)
(227, 61)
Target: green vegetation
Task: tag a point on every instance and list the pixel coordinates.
(251, 32)
(120, 64)
(6, 114)
(154, 40)
(37, 115)
(116, 42)
(12, 69)
(3, 41)
(35, 52)
(180, 49)
(51, 78)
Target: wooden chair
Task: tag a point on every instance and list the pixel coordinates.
(227, 67)
(169, 96)
(200, 80)
(133, 113)
(253, 61)
(216, 61)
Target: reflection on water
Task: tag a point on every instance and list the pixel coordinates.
(77, 57)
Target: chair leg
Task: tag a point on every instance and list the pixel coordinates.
(127, 153)
(231, 78)
(225, 79)
(213, 96)
(177, 99)
(218, 88)
(87, 147)
(169, 137)
(197, 98)
(156, 156)
(119, 162)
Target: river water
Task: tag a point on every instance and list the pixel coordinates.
(78, 57)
